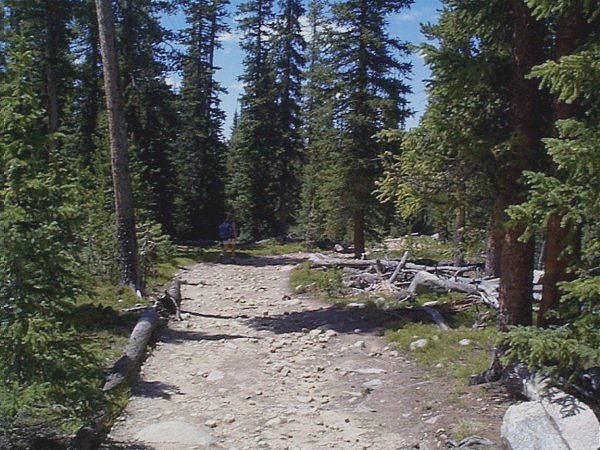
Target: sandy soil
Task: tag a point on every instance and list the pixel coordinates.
(255, 366)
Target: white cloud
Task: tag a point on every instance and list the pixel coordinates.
(230, 36)
(239, 86)
(174, 81)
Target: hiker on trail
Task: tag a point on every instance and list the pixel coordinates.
(227, 234)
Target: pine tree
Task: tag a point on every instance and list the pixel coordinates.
(251, 186)
(370, 91)
(125, 215)
(288, 60)
(320, 133)
(149, 105)
(201, 151)
(448, 166)
(527, 122)
(43, 364)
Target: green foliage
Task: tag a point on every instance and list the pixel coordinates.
(325, 282)
(43, 361)
(566, 350)
(154, 246)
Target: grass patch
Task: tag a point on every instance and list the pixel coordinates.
(326, 284)
(272, 247)
(464, 429)
(443, 354)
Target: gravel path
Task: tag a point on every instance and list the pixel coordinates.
(254, 366)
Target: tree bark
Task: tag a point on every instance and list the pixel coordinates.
(134, 351)
(516, 267)
(359, 234)
(124, 208)
(571, 30)
(493, 254)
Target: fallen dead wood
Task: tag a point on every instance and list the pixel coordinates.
(436, 317)
(399, 267)
(134, 350)
(170, 300)
(320, 260)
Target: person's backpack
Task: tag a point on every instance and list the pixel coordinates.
(226, 230)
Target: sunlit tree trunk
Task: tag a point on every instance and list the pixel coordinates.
(127, 241)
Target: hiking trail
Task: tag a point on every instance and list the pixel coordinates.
(254, 365)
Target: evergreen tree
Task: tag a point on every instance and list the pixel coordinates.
(46, 370)
(288, 60)
(251, 186)
(49, 26)
(370, 88)
(128, 254)
(149, 105)
(448, 166)
(525, 151)
(201, 151)
(320, 133)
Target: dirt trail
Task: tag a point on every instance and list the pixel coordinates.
(255, 366)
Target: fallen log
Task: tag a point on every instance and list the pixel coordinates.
(320, 260)
(399, 267)
(134, 350)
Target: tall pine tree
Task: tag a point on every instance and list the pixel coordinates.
(371, 93)
(200, 150)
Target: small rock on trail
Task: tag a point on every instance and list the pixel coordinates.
(256, 366)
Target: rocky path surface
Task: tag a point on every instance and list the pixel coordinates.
(254, 366)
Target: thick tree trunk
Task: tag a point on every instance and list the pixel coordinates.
(516, 268)
(571, 31)
(127, 241)
(494, 241)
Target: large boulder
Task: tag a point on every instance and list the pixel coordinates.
(557, 421)
(426, 283)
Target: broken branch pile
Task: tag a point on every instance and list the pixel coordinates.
(405, 280)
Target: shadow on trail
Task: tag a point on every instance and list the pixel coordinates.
(259, 261)
(179, 336)
(208, 316)
(113, 445)
(333, 317)
(154, 389)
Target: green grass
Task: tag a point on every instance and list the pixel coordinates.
(443, 354)
(272, 247)
(419, 247)
(322, 283)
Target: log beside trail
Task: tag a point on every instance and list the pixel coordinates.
(88, 436)
(134, 350)
(170, 301)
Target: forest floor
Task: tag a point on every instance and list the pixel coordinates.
(253, 365)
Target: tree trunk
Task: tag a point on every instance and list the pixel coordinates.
(516, 268)
(359, 234)
(494, 241)
(571, 31)
(124, 209)
(459, 236)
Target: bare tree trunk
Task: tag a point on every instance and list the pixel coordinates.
(359, 234)
(459, 228)
(571, 30)
(127, 241)
(494, 241)
(516, 268)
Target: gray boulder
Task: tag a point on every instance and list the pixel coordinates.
(557, 421)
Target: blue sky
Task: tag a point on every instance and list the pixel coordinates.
(405, 26)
